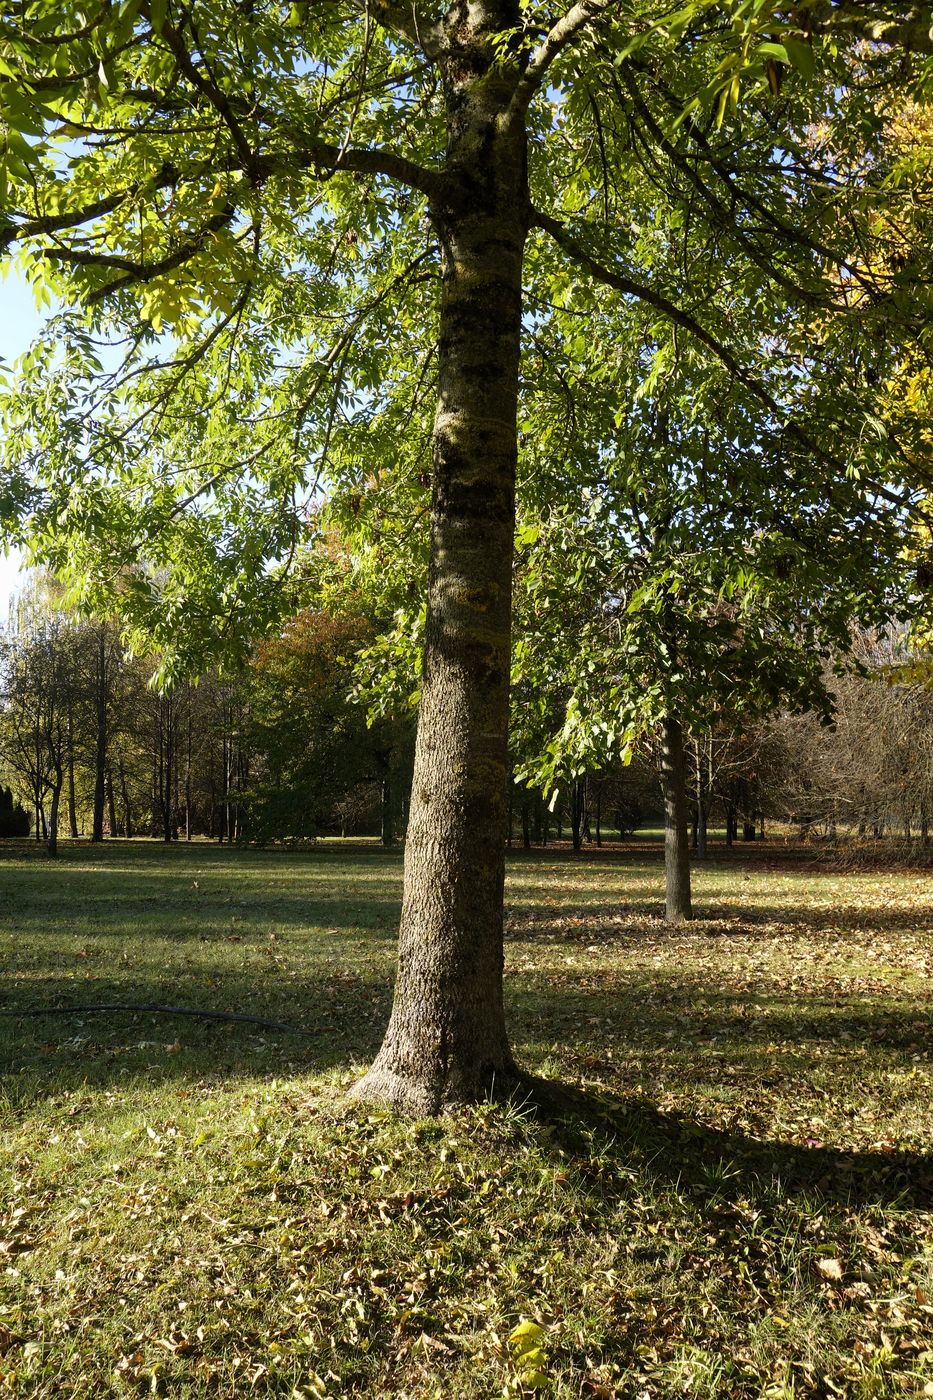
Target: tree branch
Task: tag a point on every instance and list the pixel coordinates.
(564, 32)
(912, 31)
(425, 35)
(74, 218)
(622, 283)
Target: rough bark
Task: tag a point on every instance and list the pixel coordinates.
(676, 845)
(446, 1042)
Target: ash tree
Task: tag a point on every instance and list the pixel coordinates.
(293, 220)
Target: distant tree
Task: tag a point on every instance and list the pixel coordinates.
(39, 684)
(14, 819)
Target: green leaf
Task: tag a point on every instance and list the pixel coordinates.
(801, 56)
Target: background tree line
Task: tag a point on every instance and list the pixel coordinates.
(285, 748)
(277, 749)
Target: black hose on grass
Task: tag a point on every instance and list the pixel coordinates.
(157, 1010)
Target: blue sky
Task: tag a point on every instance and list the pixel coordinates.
(19, 324)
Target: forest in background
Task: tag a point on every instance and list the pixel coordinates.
(284, 749)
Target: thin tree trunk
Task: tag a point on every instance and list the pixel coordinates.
(701, 816)
(125, 797)
(168, 770)
(52, 833)
(111, 804)
(702, 819)
(577, 808)
(446, 1041)
(72, 803)
(100, 747)
(188, 772)
(676, 848)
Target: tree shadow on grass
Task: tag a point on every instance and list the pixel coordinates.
(707, 1162)
(642, 919)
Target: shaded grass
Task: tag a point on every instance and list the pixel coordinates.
(720, 1185)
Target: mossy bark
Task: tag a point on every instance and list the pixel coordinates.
(446, 1042)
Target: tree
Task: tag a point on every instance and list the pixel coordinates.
(39, 682)
(14, 819)
(282, 189)
(309, 733)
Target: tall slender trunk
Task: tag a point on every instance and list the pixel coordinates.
(676, 847)
(446, 1041)
(111, 803)
(100, 748)
(577, 811)
(52, 833)
(387, 824)
(72, 801)
(168, 770)
(125, 799)
(702, 821)
(188, 771)
(702, 808)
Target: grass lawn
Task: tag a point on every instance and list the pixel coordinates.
(731, 1195)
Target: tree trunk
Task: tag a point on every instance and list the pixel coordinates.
(446, 1042)
(168, 772)
(100, 748)
(676, 847)
(125, 798)
(52, 834)
(188, 832)
(526, 824)
(702, 820)
(72, 802)
(388, 829)
(111, 804)
(577, 811)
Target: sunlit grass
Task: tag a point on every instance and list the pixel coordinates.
(727, 1194)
